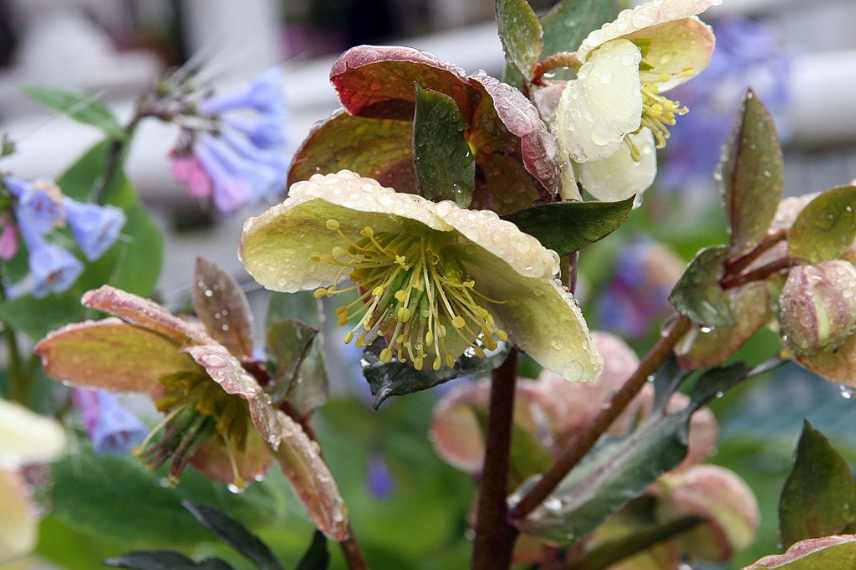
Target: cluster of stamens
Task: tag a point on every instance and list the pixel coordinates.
(412, 291)
(196, 410)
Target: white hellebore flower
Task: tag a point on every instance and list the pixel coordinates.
(613, 115)
(433, 279)
(24, 438)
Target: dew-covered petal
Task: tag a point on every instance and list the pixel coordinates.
(26, 437)
(502, 239)
(276, 247)
(619, 177)
(603, 105)
(18, 522)
(112, 355)
(828, 552)
(226, 370)
(687, 42)
(542, 317)
(676, 51)
(252, 462)
(143, 313)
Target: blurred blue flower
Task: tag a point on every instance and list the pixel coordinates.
(95, 228)
(637, 296)
(38, 205)
(53, 269)
(111, 428)
(747, 55)
(264, 95)
(236, 181)
(379, 478)
(263, 132)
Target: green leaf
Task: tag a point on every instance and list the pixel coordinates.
(317, 557)
(222, 306)
(302, 306)
(568, 23)
(752, 174)
(116, 498)
(619, 470)
(520, 33)
(37, 317)
(299, 374)
(376, 148)
(164, 560)
(82, 108)
(819, 497)
(399, 379)
(825, 228)
(445, 166)
(698, 294)
(134, 262)
(566, 227)
(234, 534)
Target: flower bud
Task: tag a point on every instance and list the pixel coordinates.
(818, 306)
(718, 496)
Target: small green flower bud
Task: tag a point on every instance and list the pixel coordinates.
(818, 306)
(718, 496)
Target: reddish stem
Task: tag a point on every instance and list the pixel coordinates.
(555, 61)
(572, 455)
(738, 265)
(731, 281)
(495, 535)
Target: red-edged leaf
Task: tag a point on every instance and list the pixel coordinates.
(376, 81)
(375, 148)
(112, 355)
(223, 308)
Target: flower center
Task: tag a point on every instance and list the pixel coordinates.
(197, 410)
(412, 290)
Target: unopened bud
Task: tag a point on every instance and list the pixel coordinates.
(718, 496)
(818, 306)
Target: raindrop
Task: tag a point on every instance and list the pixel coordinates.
(846, 392)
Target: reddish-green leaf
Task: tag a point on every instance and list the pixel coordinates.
(752, 174)
(520, 33)
(826, 227)
(828, 553)
(223, 308)
(698, 294)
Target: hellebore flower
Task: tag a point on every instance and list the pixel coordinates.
(433, 279)
(217, 417)
(95, 228)
(811, 553)
(53, 269)
(111, 428)
(25, 438)
(627, 65)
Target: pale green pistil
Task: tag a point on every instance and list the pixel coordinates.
(412, 290)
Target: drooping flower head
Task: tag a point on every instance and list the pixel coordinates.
(234, 152)
(110, 426)
(616, 108)
(434, 280)
(217, 416)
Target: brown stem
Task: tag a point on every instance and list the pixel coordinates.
(571, 456)
(569, 267)
(738, 265)
(495, 535)
(353, 554)
(116, 153)
(730, 281)
(555, 61)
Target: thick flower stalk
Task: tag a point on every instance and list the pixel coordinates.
(433, 280)
(39, 208)
(232, 147)
(610, 119)
(25, 439)
(217, 416)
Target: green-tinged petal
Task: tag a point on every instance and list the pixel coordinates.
(542, 317)
(276, 247)
(143, 313)
(603, 105)
(111, 354)
(18, 522)
(677, 43)
(212, 459)
(26, 437)
(837, 365)
(619, 176)
(826, 553)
